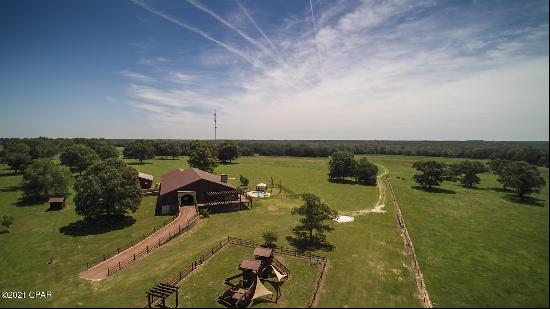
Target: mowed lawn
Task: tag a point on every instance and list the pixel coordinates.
(476, 247)
(367, 266)
(202, 287)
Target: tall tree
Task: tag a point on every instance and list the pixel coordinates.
(497, 166)
(314, 215)
(430, 173)
(105, 150)
(522, 177)
(202, 155)
(467, 172)
(43, 178)
(342, 164)
(42, 147)
(107, 191)
(78, 158)
(174, 150)
(16, 156)
(139, 150)
(228, 151)
(366, 172)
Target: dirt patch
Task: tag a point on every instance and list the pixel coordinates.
(272, 208)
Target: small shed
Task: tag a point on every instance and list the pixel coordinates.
(262, 187)
(145, 180)
(56, 203)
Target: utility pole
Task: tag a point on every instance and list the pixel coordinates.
(215, 126)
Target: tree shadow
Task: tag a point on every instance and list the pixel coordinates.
(474, 188)
(9, 174)
(501, 190)
(303, 244)
(10, 189)
(30, 201)
(138, 163)
(87, 227)
(343, 181)
(227, 163)
(527, 200)
(433, 190)
(4, 232)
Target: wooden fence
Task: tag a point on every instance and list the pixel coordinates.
(182, 228)
(178, 277)
(420, 283)
(128, 245)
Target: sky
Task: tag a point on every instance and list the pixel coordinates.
(295, 69)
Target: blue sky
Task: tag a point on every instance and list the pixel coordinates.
(441, 70)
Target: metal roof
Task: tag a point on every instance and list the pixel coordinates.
(182, 177)
(145, 176)
(56, 200)
(263, 252)
(250, 265)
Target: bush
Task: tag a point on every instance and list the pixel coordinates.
(6, 221)
(270, 238)
(204, 213)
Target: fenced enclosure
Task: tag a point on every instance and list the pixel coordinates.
(314, 260)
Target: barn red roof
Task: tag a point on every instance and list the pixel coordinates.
(182, 177)
(56, 200)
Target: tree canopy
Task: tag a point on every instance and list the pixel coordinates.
(228, 151)
(78, 157)
(523, 177)
(107, 191)
(139, 150)
(202, 155)
(366, 172)
(43, 178)
(16, 156)
(430, 173)
(314, 215)
(342, 164)
(467, 172)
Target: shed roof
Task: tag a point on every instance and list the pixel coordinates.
(250, 265)
(56, 199)
(263, 252)
(261, 184)
(145, 176)
(182, 177)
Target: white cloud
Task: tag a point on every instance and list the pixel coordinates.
(391, 70)
(137, 76)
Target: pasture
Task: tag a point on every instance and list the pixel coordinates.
(475, 247)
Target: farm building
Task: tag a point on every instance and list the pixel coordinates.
(56, 203)
(195, 188)
(145, 180)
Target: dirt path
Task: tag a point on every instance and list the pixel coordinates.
(379, 206)
(99, 271)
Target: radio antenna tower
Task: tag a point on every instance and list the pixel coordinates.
(215, 126)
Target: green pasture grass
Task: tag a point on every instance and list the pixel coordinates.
(367, 266)
(479, 246)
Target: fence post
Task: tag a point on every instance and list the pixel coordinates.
(134, 257)
(212, 250)
(87, 267)
(147, 249)
(104, 258)
(108, 272)
(119, 266)
(118, 250)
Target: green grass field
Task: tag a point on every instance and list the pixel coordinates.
(475, 247)
(199, 287)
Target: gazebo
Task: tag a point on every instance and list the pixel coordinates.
(261, 187)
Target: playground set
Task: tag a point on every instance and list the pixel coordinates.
(264, 268)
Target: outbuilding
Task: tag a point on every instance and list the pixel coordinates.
(56, 203)
(145, 180)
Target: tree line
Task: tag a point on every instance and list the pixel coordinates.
(535, 153)
(519, 176)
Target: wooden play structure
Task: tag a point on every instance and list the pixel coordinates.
(264, 268)
(161, 291)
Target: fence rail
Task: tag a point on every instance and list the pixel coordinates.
(420, 283)
(109, 255)
(176, 278)
(182, 228)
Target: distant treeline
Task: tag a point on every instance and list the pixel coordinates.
(531, 152)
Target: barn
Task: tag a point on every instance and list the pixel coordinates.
(196, 188)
